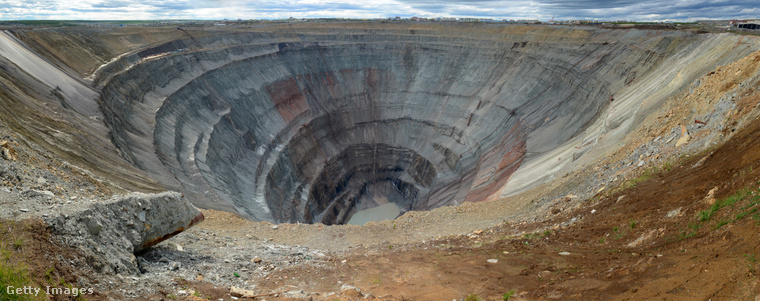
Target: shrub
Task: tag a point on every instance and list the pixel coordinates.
(507, 295)
(472, 297)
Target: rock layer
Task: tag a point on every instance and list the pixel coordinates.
(300, 127)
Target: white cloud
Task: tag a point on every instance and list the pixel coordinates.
(644, 10)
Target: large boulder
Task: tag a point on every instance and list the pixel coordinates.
(110, 232)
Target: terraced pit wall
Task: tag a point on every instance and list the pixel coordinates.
(314, 122)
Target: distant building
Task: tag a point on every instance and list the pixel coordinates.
(745, 24)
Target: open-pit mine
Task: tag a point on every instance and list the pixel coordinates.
(348, 122)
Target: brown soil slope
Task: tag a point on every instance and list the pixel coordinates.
(667, 238)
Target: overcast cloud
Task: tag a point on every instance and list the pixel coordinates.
(640, 10)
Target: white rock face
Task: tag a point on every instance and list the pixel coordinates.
(72, 92)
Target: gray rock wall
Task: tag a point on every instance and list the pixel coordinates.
(297, 128)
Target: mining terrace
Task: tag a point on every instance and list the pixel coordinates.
(389, 161)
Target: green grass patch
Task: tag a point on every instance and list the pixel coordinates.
(738, 196)
(748, 198)
(508, 295)
(18, 243)
(14, 275)
(754, 201)
(646, 175)
(706, 215)
(472, 297)
(694, 226)
(537, 235)
(619, 234)
(689, 232)
(741, 215)
(685, 234)
(721, 223)
(49, 275)
(632, 183)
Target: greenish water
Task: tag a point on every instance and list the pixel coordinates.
(379, 213)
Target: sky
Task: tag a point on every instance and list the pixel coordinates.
(639, 10)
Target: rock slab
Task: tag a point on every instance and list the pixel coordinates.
(109, 233)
